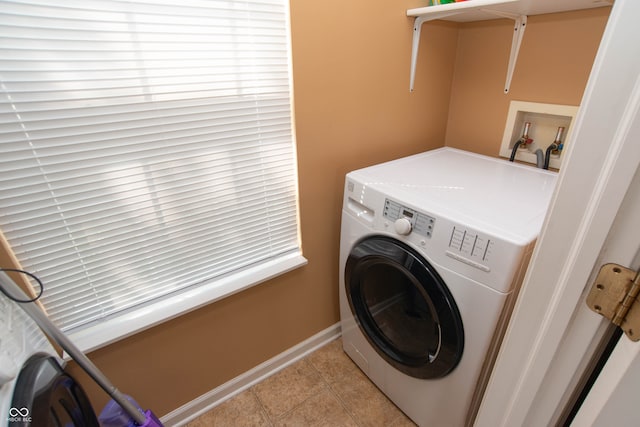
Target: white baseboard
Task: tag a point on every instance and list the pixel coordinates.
(213, 398)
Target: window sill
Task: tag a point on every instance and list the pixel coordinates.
(124, 325)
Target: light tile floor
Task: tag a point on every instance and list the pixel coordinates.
(323, 389)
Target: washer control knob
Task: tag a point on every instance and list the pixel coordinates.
(402, 226)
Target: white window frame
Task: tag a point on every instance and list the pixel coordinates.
(130, 321)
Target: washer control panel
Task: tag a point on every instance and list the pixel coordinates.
(407, 220)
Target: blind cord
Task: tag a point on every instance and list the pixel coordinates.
(18, 300)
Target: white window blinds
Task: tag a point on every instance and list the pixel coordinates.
(146, 147)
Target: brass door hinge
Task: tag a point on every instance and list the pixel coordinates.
(614, 295)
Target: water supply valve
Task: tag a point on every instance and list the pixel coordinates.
(547, 123)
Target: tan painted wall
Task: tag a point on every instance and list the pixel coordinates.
(555, 60)
(353, 108)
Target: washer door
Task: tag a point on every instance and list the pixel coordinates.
(404, 308)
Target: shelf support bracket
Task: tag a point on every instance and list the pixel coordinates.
(520, 23)
(518, 33)
(415, 46)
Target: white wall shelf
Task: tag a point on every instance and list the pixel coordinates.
(478, 10)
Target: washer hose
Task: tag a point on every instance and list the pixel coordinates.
(547, 155)
(524, 139)
(515, 148)
(539, 158)
(555, 145)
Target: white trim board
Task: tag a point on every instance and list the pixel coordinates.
(602, 157)
(191, 410)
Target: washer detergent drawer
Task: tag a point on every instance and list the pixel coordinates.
(359, 210)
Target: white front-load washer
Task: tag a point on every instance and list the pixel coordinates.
(433, 248)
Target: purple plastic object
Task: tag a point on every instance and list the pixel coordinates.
(113, 415)
(152, 420)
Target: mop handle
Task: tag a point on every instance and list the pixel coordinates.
(41, 319)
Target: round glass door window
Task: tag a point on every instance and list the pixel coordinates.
(404, 308)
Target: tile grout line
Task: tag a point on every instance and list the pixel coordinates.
(355, 419)
(326, 386)
(287, 413)
(336, 396)
(262, 408)
(273, 420)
